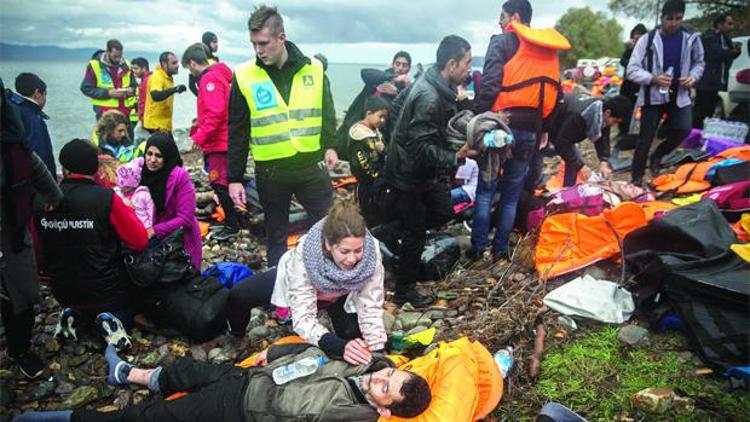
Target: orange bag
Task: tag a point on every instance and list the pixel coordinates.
(464, 380)
(571, 241)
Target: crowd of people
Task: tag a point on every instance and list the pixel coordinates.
(412, 176)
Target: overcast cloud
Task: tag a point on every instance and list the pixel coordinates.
(346, 31)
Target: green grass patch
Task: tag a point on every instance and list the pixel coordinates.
(595, 377)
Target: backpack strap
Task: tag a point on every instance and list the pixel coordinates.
(649, 63)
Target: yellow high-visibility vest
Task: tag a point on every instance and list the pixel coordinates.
(277, 129)
(104, 81)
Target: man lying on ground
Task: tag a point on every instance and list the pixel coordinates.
(337, 391)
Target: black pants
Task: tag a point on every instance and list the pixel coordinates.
(227, 205)
(412, 213)
(366, 197)
(677, 127)
(571, 156)
(705, 105)
(18, 328)
(256, 291)
(312, 188)
(215, 392)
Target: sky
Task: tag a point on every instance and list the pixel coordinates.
(352, 31)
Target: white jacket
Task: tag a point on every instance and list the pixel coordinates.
(294, 290)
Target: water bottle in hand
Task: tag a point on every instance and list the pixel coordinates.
(665, 89)
(299, 369)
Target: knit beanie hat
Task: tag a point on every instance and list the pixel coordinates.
(209, 37)
(79, 156)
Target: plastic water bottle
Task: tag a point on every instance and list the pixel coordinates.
(665, 89)
(504, 360)
(299, 369)
(497, 138)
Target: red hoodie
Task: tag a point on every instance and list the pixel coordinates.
(211, 132)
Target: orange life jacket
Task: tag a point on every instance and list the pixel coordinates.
(532, 76)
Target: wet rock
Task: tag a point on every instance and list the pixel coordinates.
(653, 400)
(80, 397)
(259, 332)
(74, 361)
(218, 355)
(140, 396)
(159, 340)
(408, 307)
(64, 388)
(198, 353)
(633, 336)
(51, 345)
(451, 313)
(683, 405)
(79, 350)
(438, 324)
(257, 318)
(435, 315)
(108, 408)
(410, 320)
(388, 321)
(123, 399)
(151, 359)
(42, 390)
(684, 357)
(415, 330)
(54, 367)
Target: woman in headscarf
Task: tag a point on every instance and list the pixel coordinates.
(337, 266)
(22, 174)
(173, 194)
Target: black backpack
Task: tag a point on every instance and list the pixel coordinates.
(195, 307)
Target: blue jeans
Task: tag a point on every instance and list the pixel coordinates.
(459, 196)
(510, 186)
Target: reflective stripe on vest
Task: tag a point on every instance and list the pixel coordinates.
(277, 129)
(104, 81)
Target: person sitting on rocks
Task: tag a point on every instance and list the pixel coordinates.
(111, 135)
(336, 391)
(173, 194)
(81, 247)
(336, 266)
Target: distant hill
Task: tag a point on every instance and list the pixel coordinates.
(51, 52)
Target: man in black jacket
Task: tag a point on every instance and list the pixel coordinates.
(286, 159)
(719, 55)
(418, 154)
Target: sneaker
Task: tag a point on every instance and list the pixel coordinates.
(66, 324)
(111, 328)
(473, 256)
(30, 364)
(226, 233)
(413, 297)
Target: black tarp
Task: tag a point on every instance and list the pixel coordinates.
(685, 255)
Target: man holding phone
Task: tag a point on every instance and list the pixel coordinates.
(720, 53)
(110, 84)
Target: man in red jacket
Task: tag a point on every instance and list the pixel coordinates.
(211, 129)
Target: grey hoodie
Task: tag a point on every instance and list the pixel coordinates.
(691, 64)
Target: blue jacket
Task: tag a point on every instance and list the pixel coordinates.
(34, 122)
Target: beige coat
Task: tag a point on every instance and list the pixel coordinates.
(294, 290)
